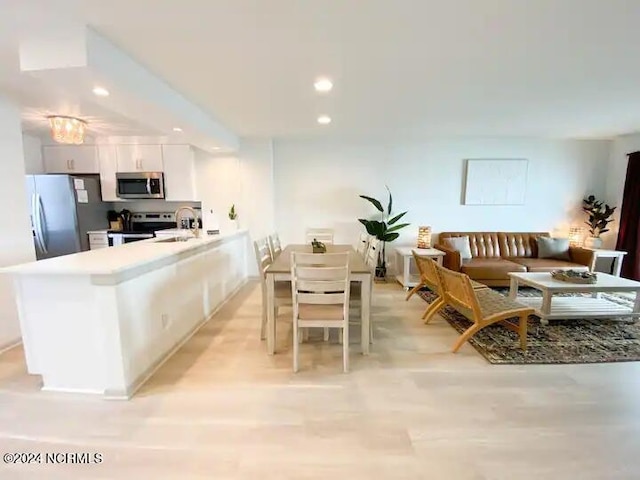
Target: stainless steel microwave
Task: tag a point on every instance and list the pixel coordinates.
(140, 185)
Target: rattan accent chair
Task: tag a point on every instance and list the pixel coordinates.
(482, 306)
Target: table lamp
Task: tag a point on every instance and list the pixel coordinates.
(576, 236)
(424, 237)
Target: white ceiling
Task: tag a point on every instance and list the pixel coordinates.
(401, 68)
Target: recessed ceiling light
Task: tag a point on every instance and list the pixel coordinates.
(100, 92)
(323, 85)
(177, 129)
(215, 148)
(324, 119)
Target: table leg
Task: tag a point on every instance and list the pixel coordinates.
(617, 265)
(636, 305)
(366, 287)
(439, 260)
(271, 317)
(545, 310)
(406, 272)
(513, 288)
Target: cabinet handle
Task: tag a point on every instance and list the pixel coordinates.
(73, 164)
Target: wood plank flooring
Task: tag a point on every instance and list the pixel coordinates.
(222, 409)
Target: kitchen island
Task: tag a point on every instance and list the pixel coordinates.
(103, 321)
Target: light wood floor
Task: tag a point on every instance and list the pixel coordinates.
(222, 409)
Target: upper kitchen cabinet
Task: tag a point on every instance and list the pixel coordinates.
(108, 169)
(179, 173)
(70, 159)
(139, 158)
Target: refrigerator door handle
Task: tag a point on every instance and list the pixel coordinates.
(34, 223)
(41, 223)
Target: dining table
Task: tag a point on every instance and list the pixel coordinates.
(280, 270)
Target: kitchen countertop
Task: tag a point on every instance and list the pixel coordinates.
(98, 231)
(117, 264)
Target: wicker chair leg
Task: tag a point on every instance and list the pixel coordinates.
(522, 330)
(466, 335)
(414, 290)
(435, 306)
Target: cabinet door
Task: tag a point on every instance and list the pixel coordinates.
(108, 169)
(139, 158)
(179, 173)
(70, 159)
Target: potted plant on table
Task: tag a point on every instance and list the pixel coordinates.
(385, 229)
(600, 215)
(233, 216)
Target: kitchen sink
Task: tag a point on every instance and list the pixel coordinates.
(174, 240)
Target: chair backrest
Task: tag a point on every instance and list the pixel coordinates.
(275, 245)
(324, 235)
(363, 244)
(373, 252)
(322, 279)
(457, 291)
(263, 256)
(428, 272)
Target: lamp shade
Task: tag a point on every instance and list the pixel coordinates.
(424, 237)
(576, 236)
(67, 129)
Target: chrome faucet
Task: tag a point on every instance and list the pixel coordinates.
(195, 230)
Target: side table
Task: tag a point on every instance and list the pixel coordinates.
(404, 258)
(617, 256)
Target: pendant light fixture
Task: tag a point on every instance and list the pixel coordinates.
(66, 129)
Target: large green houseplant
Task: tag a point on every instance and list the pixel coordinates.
(385, 229)
(600, 215)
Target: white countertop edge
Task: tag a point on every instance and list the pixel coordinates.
(160, 255)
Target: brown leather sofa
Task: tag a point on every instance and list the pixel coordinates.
(495, 254)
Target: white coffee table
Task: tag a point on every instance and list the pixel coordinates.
(552, 308)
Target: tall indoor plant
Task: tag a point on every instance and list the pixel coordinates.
(385, 229)
(600, 215)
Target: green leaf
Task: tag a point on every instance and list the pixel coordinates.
(396, 218)
(390, 201)
(397, 227)
(390, 237)
(375, 202)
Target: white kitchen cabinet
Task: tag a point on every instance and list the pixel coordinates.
(108, 169)
(139, 158)
(98, 240)
(70, 159)
(179, 173)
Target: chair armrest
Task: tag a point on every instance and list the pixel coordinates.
(451, 258)
(583, 256)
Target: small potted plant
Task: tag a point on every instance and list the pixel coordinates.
(233, 216)
(600, 215)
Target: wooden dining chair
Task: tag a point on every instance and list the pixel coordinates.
(363, 244)
(282, 289)
(274, 245)
(482, 306)
(324, 235)
(320, 285)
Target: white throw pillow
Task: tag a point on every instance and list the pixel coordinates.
(461, 244)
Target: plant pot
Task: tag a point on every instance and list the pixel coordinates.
(593, 242)
(381, 274)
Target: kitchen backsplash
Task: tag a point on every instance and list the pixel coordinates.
(153, 205)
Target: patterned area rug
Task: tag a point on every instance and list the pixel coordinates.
(562, 341)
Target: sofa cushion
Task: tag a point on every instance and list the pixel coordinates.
(547, 264)
(461, 244)
(519, 244)
(490, 268)
(557, 248)
(483, 244)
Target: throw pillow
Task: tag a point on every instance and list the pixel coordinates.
(556, 248)
(461, 244)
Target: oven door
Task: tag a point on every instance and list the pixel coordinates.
(140, 185)
(116, 239)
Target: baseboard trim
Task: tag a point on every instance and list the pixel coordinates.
(147, 374)
(9, 346)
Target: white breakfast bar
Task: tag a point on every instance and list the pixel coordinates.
(102, 321)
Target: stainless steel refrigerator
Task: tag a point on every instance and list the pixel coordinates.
(63, 209)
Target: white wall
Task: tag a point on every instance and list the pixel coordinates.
(32, 146)
(16, 244)
(317, 184)
(616, 177)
